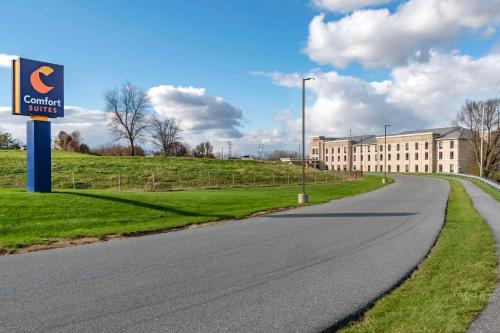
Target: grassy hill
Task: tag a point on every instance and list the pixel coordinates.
(153, 173)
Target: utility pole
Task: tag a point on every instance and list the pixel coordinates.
(385, 152)
(261, 149)
(482, 144)
(350, 151)
(222, 152)
(230, 145)
(303, 196)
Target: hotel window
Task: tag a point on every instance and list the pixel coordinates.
(416, 145)
(338, 158)
(389, 157)
(426, 145)
(381, 148)
(388, 147)
(338, 150)
(354, 158)
(397, 147)
(389, 169)
(397, 156)
(326, 158)
(452, 155)
(345, 158)
(368, 148)
(407, 146)
(451, 168)
(407, 156)
(381, 157)
(416, 156)
(407, 168)
(440, 168)
(361, 158)
(344, 150)
(354, 148)
(440, 144)
(368, 167)
(397, 168)
(416, 168)
(338, 167)
(426, 156)
(426, 168)
(354, 167)
(327, 150)
(440, 155)
(369, 157)
(452, 144)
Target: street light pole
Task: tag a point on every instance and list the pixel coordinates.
(385, 152)
(303, 196)
(482, 144)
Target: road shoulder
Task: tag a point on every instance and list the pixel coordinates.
(489, 209)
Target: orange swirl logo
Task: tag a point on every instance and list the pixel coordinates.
(36, 81)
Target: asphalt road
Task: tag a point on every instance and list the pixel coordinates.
(489, 209)
(301, 270)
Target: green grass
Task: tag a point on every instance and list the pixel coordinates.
(107, 172)
(450, 286)
(37, 218)
(487, 189)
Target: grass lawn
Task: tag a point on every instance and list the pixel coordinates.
(112, 172)
(37, 218)
(487, 189)
(450, 287)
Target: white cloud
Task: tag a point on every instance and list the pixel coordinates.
(201, 115)
(6, 60)
(380, 38)
(90, 123)
(417, 95)
(345, 6)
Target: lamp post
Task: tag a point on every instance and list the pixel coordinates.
(303, 196)
(385, 152)
(482, 144)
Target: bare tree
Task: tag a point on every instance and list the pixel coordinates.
(204, 149)
(470, 117)
(277, 154)
(165, 134)
(128, 107)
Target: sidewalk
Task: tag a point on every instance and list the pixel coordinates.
(489, 209)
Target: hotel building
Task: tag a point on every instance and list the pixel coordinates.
(432, 150)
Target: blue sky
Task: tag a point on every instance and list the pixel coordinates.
(217, 45)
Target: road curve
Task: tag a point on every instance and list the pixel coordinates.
(301, 270)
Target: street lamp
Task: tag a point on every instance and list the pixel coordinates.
(385, 153)
(482, 144)
(303, 195)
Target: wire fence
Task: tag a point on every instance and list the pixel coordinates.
(177, 181)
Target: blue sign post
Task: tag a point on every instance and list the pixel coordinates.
(38, 92)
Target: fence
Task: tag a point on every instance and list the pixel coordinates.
(490, 183)
(178, 180)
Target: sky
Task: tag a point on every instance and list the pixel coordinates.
(230, 70)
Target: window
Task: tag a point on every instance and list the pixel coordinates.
(452, 155)
(381, 168)
(368, 148)
(451, 168)
(327, 150)
(354, 157)
(354, 148)
(388, 147)
(381, 157)
(354, 167)
(407, 146)
(344, 150)
(368, 157)
(440, 168)
(426, 145)
(326, 158)
(338, 158)
(416, 145)
(397, 168)
(389, 169)
(407, 156)
(440, 145)
(361, 158)
(426, 155)
(426, 168)
(345, 159)
(416, 156)
(452, 144)
(440, 155)
(397, 147)
(368, 166)
(338, 150)
(407, 168)
(389, 157)
(397, 156)
(416, 168)
(381, 148)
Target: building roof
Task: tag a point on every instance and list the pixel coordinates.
(439, 131)
(458, 133)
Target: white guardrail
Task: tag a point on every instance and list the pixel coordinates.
(490, 183)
